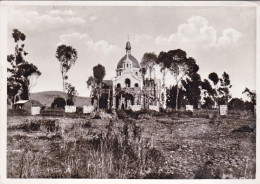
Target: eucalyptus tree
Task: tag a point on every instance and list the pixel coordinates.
(67, 57)
(20, 71)
(148, 62)
(181, 67)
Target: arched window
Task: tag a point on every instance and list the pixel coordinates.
(136, 85)
(118, 85)
(127, 65)
(136, 73)
(127, 83)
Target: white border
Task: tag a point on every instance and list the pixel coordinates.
(3, 114)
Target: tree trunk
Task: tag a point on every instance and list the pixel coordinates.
(177, 95)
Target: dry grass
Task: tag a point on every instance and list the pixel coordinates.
(154, 147)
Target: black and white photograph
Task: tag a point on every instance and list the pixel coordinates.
(129, 90)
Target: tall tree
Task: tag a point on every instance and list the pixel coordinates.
(67, 57)
(96, 82)
(20, 71)
(180, 67)
(148, 61)
(192, 89)
(224, 88)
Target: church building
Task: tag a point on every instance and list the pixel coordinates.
(128, 89)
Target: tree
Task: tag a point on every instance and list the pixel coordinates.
(192, 89)
(20, 71)
(180, 67)
(236, 104)
(148, 61)
(172, 95)
(252, 96)
(67, 57)
(96, 82)
(164, 61)
(215, 79)
(71, 93)
(208, 94)
(222, 94)
(143, 72)
(224, 88)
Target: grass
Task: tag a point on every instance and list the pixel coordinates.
(165, 146)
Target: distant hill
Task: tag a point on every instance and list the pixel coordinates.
(47, 97)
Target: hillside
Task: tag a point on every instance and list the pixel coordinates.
(46, 98)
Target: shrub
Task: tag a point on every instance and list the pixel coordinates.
(70, 102)
(18, 112)
(58, 102)
(53, 112)
(121, 114)
(79, 110)
(96, 115)
(86, 124)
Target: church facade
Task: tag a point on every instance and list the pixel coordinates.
(128, 89)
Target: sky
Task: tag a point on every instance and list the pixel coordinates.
(218, 38)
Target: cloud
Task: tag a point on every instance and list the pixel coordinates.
(197, 33)
(100, 46)
(59, 12)
(32, 20)
(230, 37)
(93, 18)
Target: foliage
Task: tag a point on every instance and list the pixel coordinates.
(67, 57)
(171, 97)
(71, 93)
(148, 62)
(251, 95)
(58, 102)
(220, 93)
(96, 82)
(179, 65)
(208, 103)
(20, 71)
(99, 73)
(237, 104)
(214, 78)
(224, 88)
(192, 89)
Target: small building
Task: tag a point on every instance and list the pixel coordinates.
(23, 104)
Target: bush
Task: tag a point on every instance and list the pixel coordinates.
(70, 102)
(79, 110)
(121, 114)
(18, 112)
(86, 124)
(53, 112)
(58, 102)
(96, 115)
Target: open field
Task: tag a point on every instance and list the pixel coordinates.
(165, 146)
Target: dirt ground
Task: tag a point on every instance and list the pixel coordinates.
(219, 147)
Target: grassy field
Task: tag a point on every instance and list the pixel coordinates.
(150, 146)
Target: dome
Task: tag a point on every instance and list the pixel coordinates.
(135, 63)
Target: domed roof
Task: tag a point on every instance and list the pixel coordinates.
(135, 63)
